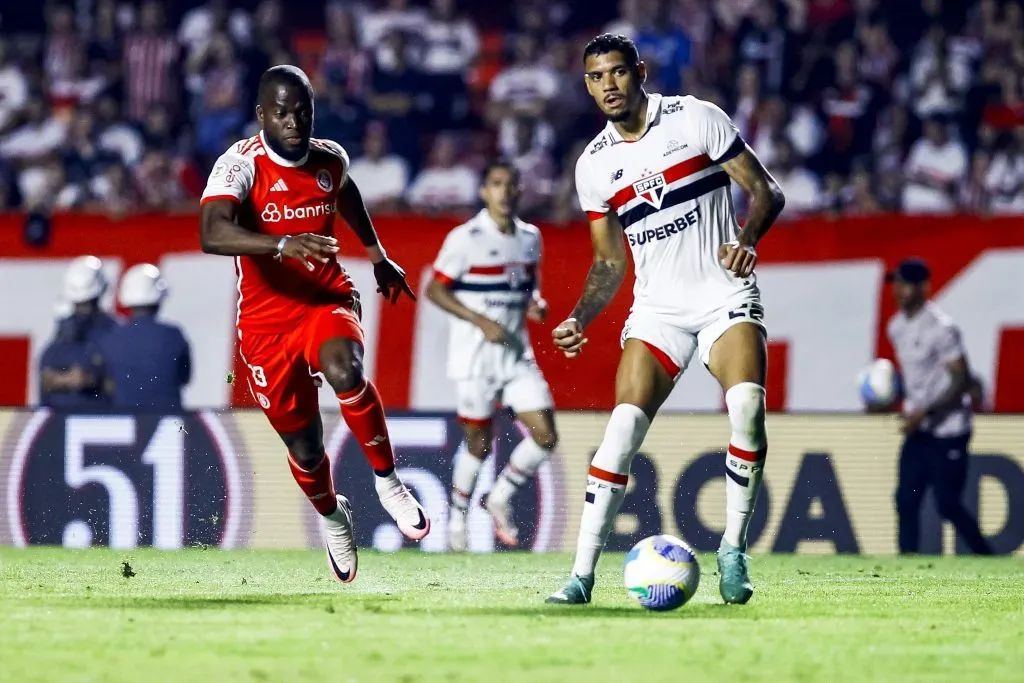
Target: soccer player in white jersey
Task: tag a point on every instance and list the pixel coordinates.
(660, 173)
(937, 413)
(486, 277)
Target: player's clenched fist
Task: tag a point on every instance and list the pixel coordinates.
(309, 246)
(739, 258)
(569, 337)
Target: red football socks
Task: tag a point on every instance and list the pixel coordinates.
(316, 484)
(364, 415)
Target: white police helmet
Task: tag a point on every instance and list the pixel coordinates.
(142, 285)
(84, 280)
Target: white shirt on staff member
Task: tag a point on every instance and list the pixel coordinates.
(925, 344)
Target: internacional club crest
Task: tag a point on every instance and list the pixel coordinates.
(323, 180)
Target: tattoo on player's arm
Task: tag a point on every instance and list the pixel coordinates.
(602, 283)
(766, 198)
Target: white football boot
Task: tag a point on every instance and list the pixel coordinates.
(408, 514)
(499, 506)
(342, 556)
(457, 539)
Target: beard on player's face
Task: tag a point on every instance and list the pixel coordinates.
(286, 117)
(626, 108)
(291, 152)
(630, 96)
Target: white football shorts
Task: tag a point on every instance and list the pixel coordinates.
(525, 391)
(678, 337)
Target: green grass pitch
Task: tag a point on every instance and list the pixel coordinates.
(227, 617)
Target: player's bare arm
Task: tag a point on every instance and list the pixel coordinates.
(603, 281)
(390, 277)
(220, 233)
(766, 203)
(438, 293)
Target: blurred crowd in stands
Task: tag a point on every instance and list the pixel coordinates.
(856, 106)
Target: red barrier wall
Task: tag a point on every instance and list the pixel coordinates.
(950, 244)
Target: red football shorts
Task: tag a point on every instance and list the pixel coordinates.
(282, 366)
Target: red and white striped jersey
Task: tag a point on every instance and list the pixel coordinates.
(495, 274)
(672, 199)
(150, 72)
(281, 197)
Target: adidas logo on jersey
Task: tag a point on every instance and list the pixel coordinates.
(279, 186)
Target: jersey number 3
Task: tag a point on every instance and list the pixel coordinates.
(258, 375)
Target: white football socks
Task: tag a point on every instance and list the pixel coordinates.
(744, 463)
(466, 470)
(606, 483)
(524, 462)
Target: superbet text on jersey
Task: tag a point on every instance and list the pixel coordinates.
(281, 197)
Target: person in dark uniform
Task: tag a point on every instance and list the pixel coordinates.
(148, 361)
(72, 369)
(937, 409)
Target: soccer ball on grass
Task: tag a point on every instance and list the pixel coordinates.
(661, 573)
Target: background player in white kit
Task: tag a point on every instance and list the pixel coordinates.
(661, 170)
(486, 277)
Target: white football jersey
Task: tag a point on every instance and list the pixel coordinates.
(494, 274)
(672, 199)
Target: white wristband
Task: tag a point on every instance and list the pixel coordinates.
(280, 247)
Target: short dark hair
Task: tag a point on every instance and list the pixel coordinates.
(613, 42)
(284, 74)
(499, 162)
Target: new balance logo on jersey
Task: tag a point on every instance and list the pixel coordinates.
(279, 186)
(273, 214)
(651, 189)
(376, 441)
(616, 175)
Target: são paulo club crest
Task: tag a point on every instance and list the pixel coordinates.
(651, 189)
(323, 180)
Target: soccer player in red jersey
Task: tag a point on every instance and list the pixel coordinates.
(270, 203)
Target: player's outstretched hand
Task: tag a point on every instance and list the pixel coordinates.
(537, 310)
(569, 337)
(391, 280)
(310, 246)
(739, 258)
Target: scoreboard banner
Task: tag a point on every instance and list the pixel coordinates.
(220, 479)
(826, 306)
